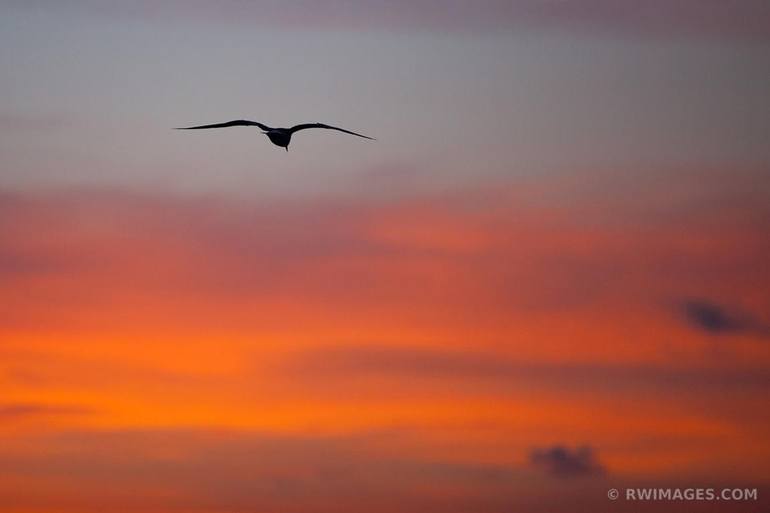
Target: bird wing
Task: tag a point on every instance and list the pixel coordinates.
(237, 122)
(297, 128)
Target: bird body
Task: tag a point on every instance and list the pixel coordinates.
(278, 136)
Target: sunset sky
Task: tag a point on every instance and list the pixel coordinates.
(549, 276)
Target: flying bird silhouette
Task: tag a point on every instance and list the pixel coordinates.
(278, 136)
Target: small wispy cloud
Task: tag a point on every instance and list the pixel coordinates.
(718, 319)
(561, 461)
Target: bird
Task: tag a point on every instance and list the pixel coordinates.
(278, 136)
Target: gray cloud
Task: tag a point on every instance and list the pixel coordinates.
(561, 461)
(716, 319)
(748, 18)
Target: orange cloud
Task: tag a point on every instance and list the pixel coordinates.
(143, 334)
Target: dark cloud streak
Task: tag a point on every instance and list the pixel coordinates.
(16, 411)
(237, 471)
(343, 362)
